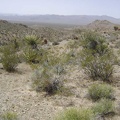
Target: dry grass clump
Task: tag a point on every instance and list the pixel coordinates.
(75, 114)
(103, 107)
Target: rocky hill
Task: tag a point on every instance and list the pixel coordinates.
(101, 25)
(10, 31)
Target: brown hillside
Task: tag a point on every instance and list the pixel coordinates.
(101, 25)
(10, 31)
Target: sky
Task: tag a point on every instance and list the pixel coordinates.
(61, 7)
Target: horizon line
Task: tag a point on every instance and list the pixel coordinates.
(18, 14)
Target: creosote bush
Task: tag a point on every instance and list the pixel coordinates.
(9, 58)
(96, 58)
(98, 91)
(75, 114)
(9, 116)
(97, 67)
(103, 107)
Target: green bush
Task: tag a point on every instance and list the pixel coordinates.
(9, 58)
(75, 114)
(97, 67)
(98, 91)
(8, 116)
(103, 107)
(30, 55)
(93, 41)
(96, 58)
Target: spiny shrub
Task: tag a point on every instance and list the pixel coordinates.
(75, 114)
(95, 42)
(9, 58)
(98, 91)
(31, 40)
(103, 107)
(8, 116)
(30, 55)
(96, 58)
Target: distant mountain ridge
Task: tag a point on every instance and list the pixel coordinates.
(59, 19)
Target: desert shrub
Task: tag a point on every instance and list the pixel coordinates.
(96, 58)
(103, 107)
(98, 91)
(75, 114)
(43, 80)
(8, 116)
(9, 58)
(49, 76)
(97, 67)
(31, 40)
(94, 42)
(116, 28)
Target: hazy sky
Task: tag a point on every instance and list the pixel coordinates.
(62, 7)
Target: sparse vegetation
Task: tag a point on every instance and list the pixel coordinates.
(53, 79)
(96, 58)
(49, 77)
(9, 58)
(98, 91)
(76, 114)
(9, 116)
